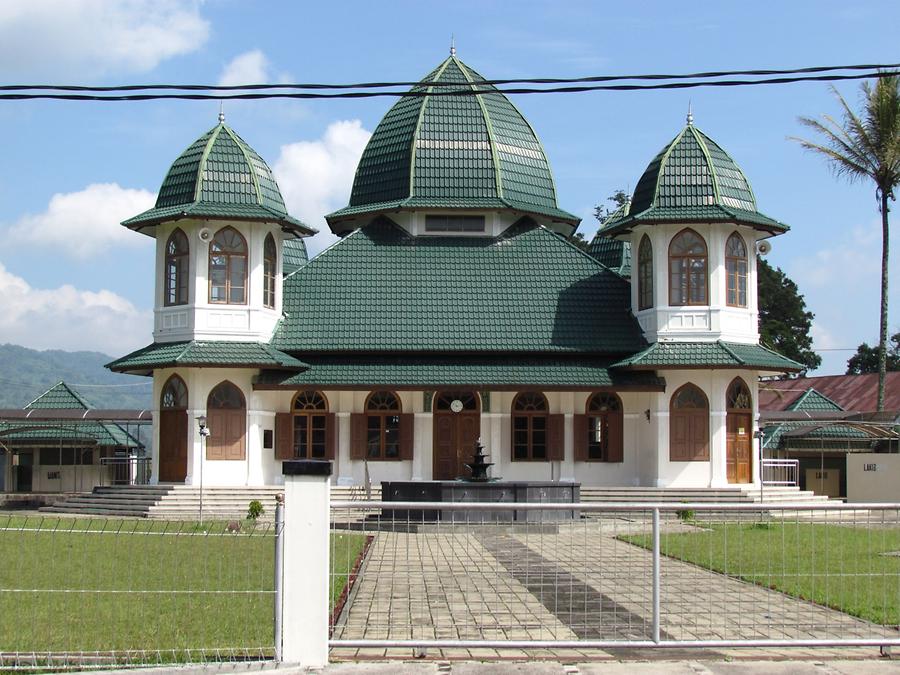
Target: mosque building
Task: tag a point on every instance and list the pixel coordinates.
(454, 307)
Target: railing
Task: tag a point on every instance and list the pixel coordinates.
(463, 582)
(781, 472)
(126, 470)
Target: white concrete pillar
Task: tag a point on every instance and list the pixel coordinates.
(307, 486)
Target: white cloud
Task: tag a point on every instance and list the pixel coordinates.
(248, 68)
(315, 177)
(88, 38)
(85, 223)
(68, 318)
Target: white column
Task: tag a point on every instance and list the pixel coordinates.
(307, 485)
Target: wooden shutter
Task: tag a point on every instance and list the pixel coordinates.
(699, 432)
(331, 436)
(217, 434)
(407, 426)
(581, 426)
(556, 437)
(357, 435)
(284, 436)
(237, 434)
(615, 451)
(678, 441)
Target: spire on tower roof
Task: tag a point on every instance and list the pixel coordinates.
(452, 45)
(690, 115)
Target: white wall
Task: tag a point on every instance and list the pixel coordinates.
(873, 477)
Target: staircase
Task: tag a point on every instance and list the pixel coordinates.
(182, 502)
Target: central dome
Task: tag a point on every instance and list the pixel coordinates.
(445, 147)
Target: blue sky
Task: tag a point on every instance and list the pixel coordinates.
(71, 278)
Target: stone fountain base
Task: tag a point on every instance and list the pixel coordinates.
(499, 491)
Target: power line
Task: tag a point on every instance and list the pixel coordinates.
(439, 83)
(418, 92)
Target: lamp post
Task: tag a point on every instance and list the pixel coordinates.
(204, 433)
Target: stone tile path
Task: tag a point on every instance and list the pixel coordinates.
(577, 582)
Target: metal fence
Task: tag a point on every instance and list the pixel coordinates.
(785, 472)
(79, 593)
(448, 577)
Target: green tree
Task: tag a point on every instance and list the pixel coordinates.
(866, 358)
(618, 198)
(784, 321)
(867, 146)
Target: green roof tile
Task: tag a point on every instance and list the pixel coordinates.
(812, 400)
(381, 290)
(219, 176)
(60, 395)
(294, 255)
(454, 151)
(203, 353)
(613, 253)
(693, 179)
(718, 354)
(411, 371)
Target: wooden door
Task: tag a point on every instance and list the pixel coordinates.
(738, 447)
(173, 437)
(454, 443)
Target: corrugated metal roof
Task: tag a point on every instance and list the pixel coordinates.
(858, 393)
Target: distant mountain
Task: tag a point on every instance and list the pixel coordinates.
(27, 373)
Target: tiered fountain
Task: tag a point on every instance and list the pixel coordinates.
(479, 467)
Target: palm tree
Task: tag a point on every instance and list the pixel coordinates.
(867, 146)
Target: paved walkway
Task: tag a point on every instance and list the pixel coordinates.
(577, 582)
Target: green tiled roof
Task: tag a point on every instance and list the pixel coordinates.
(203, 354)
(613, 253)
(810, 435)
(716, 354)
(294, 255)
(693, 179)
(427, 371)
(451, 150)
(62, 396)
(381, 290)
(219, 176)
(813, 400)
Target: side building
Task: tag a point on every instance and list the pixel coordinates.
(455, 308)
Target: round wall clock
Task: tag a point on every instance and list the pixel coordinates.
(456, 405)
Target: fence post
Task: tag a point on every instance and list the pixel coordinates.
(279, 574)
(656, 576)
(306, 562)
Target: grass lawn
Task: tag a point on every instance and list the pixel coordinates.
(142, 585)
(838, 566)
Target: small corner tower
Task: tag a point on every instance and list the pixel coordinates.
(693, 227)
(221, 227)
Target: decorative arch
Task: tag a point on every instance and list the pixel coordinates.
(736, 271)
(228, 267)
(738, 396)
(598, 433)
(645, 273)
(176, 269)
(226, 414)
(172, 449)
(530, 416)
(270, 265)
(689, 425)
(688, 269)
(382, 416)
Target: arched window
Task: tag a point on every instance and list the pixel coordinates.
(689, 425)
(688, 270)
(736, 271)
(270, 263)
(226, 414)
(738, 396)
(529, 426)
(228, 268)
(310, 411)
(604, 428)
(645, 274)
(174, 394)
(177, 261)
(383, 425)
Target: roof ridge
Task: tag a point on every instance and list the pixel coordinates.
(495, 160)
(241, 145)
(731, 159)
(731, 353)
(415, 136)
(662, 166)
(713, 174)
(201, 164)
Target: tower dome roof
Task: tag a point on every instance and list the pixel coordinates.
(219, 177)
(692, 179)
(445, 147)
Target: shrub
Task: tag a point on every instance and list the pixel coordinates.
(255, 510)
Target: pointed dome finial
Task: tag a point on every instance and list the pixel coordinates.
(221, 112)
(452, 45)
(690, 115)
